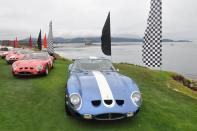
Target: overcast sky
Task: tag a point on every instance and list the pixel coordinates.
(73, 18)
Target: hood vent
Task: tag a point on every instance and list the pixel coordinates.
(107, 73)
(108, 102)
(96, 103)
(120, 102)
(26, 68)
(85, 73)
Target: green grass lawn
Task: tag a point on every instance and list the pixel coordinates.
(37, 104)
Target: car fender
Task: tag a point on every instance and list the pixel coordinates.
(131, 84)
(73, 85)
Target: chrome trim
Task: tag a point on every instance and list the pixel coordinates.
(80, 99)
(132, 97)
(109, 117)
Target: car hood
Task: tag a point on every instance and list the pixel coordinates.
(90, 87)
(27, 63)
(13, 55)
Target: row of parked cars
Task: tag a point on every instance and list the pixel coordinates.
(26, 62)
(94, 89)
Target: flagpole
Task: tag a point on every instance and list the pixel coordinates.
(110, 34)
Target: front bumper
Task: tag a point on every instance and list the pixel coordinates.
(10, 61)
(102, 116)
(108, 116)
(2, 56)
(27, 73)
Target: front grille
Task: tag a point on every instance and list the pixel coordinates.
(11, 61)
(24, 73)
(109, 116)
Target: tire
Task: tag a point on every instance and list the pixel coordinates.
(46, 70)
(67, 111)
(52, 66)
(13, 74)
(66, 108)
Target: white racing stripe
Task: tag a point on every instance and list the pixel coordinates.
(104, 88)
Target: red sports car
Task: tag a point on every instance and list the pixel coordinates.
(16, 55)
(13, 51)
(33, 64)
(4, 51)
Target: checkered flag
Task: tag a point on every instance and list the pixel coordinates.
(152, 43)
(50, 48)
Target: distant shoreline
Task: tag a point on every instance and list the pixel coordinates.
(94, 40)
(114, 39)
(118, 43)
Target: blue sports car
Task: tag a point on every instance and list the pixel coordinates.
(95, 90)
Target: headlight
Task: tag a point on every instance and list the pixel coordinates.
(136, 98)
(14, 66)
(12, 57)
(75, 101)
(39, 67)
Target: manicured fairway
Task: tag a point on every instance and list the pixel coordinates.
(37, 104)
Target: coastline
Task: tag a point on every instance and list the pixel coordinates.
(180, 57)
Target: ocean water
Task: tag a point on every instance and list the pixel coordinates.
(177, 57)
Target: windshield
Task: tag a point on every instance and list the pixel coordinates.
(16, 49)
(24, 51)
(38, 56)
(93, 64)
(4, 49)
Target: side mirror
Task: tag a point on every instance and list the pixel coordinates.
(70, 67)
